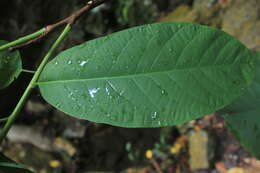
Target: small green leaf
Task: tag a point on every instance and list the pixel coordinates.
(10, 66)
(9, 166)
(149, 76)
(245, 127)
(243, 119)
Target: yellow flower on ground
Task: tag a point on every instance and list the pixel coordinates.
(175, 148)
(149, 154)
(55, 163)
(236, 170)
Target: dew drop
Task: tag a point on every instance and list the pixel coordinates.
(70, 94)
(56, 63)
(154, 115)
(93, 91)
(159, 123)
(82, 63)
(69, 62)
(121, 93)
(107, 91)
(164, 92)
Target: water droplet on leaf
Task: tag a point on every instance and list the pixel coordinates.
(93, 91)
(164, 92)
(154, 115)
(82, 63)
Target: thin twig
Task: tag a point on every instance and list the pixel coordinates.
(28, 42)
(156, 166)
(32, 83)
(69, 20)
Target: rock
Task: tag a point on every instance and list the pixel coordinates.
(36, 107)
(239, 14)
(31, 135)
(182, 13)
(136, 170)
(250, 35)
(236, 170)
(253, 165)
(202, 4)
(30, 156)
(71, 127)
(242, 20)
(198, 150)
(207, 16)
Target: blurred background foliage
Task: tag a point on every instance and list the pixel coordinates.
(49, 141)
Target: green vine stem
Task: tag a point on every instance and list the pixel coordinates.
(3, 119)
(28, 71)
(23, 39)
(32, 84)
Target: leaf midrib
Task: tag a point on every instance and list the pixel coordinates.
(132, 75)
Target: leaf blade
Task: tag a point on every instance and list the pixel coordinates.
(7, 165)
(153, 75)
(244, 112)
(10, 66)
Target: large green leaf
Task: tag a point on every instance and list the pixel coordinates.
(149, 76)
(243, 119)
(9, 166)
(10, 66)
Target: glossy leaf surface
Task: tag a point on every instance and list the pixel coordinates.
(243, 119)
(9, 166)
(149, 76)
(10, 66)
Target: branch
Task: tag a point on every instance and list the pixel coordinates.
(32, 84)
(69, 20)
(23, 39)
